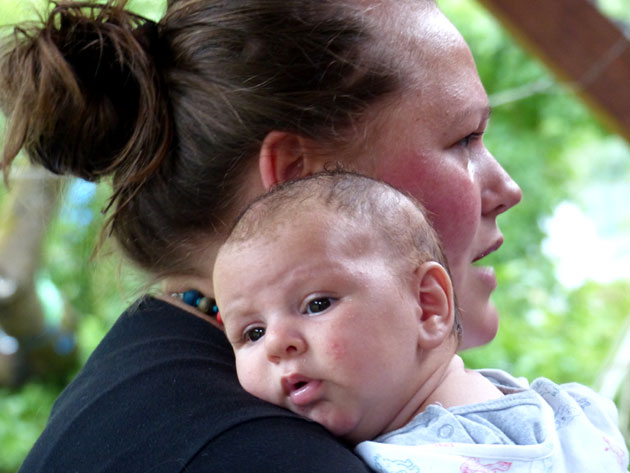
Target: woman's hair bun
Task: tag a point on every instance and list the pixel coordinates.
(80, 91)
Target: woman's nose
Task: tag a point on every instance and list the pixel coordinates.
(499, 192)
(283, 341)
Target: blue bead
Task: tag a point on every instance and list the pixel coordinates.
(191, 297)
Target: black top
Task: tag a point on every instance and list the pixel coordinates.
(160, 394)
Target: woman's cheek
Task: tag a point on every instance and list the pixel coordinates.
(455, 212)
(446, 188)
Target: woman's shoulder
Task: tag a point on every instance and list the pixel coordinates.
(161, 389)
(157, 353)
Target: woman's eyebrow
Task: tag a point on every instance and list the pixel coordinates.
(464, 115)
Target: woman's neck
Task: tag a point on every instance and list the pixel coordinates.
(199, 281)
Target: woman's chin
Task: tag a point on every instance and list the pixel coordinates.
(483, 329)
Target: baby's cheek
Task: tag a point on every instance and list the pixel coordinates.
(249, 376)
(344, 356)
(337, 350)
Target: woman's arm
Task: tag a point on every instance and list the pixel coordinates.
(277, 444)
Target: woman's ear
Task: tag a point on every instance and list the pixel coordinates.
(285, 156)
(436, 314)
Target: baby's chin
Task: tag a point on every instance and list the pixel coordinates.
(344, 427)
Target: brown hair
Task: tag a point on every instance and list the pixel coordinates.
(371, 204)
(175, 111)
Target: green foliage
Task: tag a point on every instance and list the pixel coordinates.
(23, 414)
(615, 8)
(562, 335)
(17, 11)
(547, 140)
(149, 8)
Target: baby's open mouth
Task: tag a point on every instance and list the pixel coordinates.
(301, 390)
(293, 382)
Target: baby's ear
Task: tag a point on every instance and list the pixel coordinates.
(285, 156)
(436, 309)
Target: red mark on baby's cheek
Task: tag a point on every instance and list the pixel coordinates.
(336, 349)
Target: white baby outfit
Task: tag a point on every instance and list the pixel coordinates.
(542, 427)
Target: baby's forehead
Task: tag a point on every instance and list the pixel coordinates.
(301, 226)
(320, 229)
(382, 212)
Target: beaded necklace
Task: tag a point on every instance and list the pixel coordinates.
(196, 299)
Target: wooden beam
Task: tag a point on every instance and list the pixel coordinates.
(581, 46)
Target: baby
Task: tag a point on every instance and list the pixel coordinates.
(336, 299)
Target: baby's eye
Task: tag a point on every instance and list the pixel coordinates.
(254, 334)
(320, 304)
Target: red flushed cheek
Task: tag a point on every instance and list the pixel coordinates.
(405, 171)
(337, 350)
(455, 217)
(443, 185)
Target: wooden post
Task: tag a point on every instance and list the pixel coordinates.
(26, 215)
(581, 46)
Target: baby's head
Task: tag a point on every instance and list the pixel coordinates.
(335, 297)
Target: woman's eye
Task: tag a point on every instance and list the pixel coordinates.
(318, 305)
(470, 139)
(254, 334)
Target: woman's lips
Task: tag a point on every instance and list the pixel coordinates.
(490, 249)
(486, 274)
(300, 389)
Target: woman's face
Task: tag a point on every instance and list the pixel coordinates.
(429, 142)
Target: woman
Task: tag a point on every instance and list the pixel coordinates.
(192, 118)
